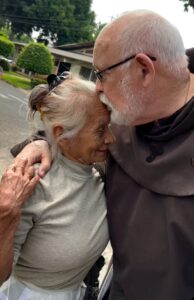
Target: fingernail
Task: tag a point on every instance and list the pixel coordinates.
(41, 173)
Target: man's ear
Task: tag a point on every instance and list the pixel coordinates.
(147, 68)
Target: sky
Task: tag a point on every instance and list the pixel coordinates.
(172, 10)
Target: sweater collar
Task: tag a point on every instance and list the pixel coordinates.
(75, 168)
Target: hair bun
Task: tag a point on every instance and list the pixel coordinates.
(53, 80)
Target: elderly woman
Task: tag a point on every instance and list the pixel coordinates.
(63, 226)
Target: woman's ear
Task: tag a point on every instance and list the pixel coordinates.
(57, 131)
(147, 68)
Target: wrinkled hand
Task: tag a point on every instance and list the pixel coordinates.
(35, 152)
(16, 186)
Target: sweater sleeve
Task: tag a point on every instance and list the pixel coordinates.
(30, 213)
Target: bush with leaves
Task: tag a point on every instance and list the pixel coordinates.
(36, 81)
(35, 58)
(3, 34)
(14, 68)
(6, 46)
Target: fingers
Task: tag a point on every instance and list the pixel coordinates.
(45, 157)
(17, 185)
(28, 189)
(44, 166)
(19, 166)
(30, 172)
(37, 151)
(32, 183)
(29, 153)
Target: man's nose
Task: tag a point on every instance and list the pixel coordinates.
(99, 87)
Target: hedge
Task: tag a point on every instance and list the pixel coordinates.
(36, 58)
(36, 81)
(6, 46)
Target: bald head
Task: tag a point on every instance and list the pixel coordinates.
(136, 55)
(140, 31)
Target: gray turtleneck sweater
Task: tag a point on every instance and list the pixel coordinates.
(63, 227)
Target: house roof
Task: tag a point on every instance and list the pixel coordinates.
(82, 48)
(76, 46)
(71, 55)
(68, 54)
(85, 57)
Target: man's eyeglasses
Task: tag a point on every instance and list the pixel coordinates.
(99, 74)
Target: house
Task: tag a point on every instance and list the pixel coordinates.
(76, 58)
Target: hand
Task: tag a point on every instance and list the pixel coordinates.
(16, 186)
(37, 151)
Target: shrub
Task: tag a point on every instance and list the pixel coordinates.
(4, 64)
(14, 68)
(36, 58)
(6, 46)
(3, 34)
(36, 81)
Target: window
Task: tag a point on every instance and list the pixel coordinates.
(56, 62)
(92, 76)
(64, 66)
(85, 72)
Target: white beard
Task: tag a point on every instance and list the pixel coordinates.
(116, 116)
(133, 108)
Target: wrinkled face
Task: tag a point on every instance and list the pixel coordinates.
(91, 143)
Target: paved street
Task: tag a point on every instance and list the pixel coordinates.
(13, 120)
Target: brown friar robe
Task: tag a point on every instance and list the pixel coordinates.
(150, 201)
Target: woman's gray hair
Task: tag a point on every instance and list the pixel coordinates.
(152, 34)
(66, 105)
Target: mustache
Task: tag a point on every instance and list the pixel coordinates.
(105, 101)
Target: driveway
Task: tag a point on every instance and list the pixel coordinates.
(14, 126)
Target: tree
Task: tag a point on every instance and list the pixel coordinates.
(36, 58)
(6, 46)
(62, 21)
(53, 17)
(188, 3)
(98, 28)
(84, 21)
(22, 38)
(12, 12)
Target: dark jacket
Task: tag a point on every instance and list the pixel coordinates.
(150, 201)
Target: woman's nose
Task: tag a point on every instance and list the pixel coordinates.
(110, 138)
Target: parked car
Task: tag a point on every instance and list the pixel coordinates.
(6, 59)
(5, 63)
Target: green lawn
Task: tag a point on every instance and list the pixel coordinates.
(17, 80)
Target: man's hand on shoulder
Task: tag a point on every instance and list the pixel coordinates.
(37, 152)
